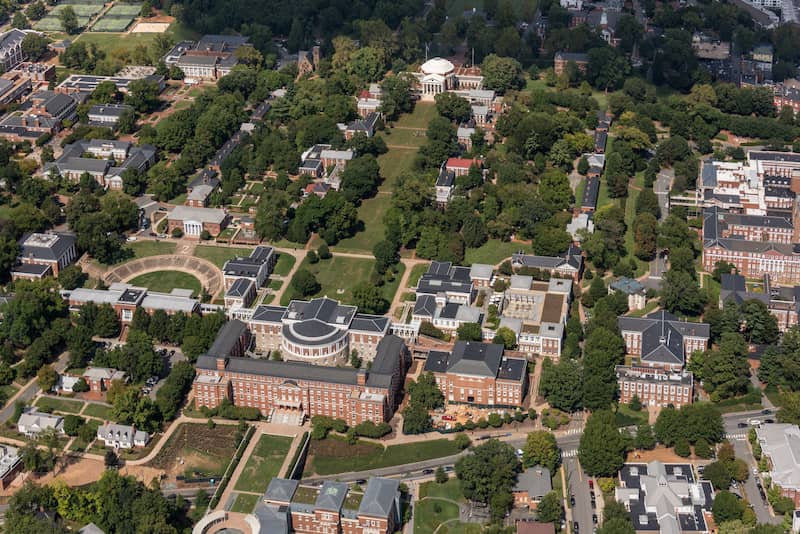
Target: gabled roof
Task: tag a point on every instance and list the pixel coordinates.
(380, 498)
(331, 496)
(281, 490)
(475, 358)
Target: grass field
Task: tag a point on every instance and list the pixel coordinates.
(219, 255)
(333, 455)
(111, 42)
(449, 490)
(50, 404)
(244, 503)
(627, 417)
(142, 249)
(371, 212)
(419, 118)
(264, 463)
(457, 527)
(403, 137)
(166, 281)
(338, 277)
(430, 513)
(284, 264)
(416, 273)
(493, 252)
(97, 410)
(8, 391)
(394, 163)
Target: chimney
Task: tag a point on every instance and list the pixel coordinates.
(361, 377)
(221, 362)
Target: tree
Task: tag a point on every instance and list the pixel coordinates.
(644, 439)
(370, 298)
(645, 236)
(396, 97)
(106, 323)
(727, 507)
(550, 508)
(597, 290)
(681, 294)
(386, 254)
(360, 178)
(452, 106)
(562, 384)
(69, 20)
(416, 419)
(760, 326)
(474, 231)
(501, 73)
(143, 96)
(718, 474)
(440, 476)
(682, 448)
(72, 424)
(425, 392)
(506, 337)
(34, 46)
(110, 459)
(147, 9)
(541, 449)
(602, 447)
(725, 372)
(126, 125)
(324, 252)
(606, 69)
(305, 283)
(71, 277)
(702, 449)
(470, 332)
(47, 378)
(489, 471)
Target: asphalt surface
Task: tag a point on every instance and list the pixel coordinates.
(578, 486)
(32, 389)
(661, 188)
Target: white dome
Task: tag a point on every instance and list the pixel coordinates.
(437, 65)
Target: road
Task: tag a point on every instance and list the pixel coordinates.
(578, 485)
(661, 187)
(30, 390)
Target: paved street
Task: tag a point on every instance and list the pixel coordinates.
(30, 390)
(578, 485)
(661, 188)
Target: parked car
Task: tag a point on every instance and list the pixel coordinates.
(572, 500)
(766, 412)
(594, 518)
(575, 527)
(448, 469)
(131, 238)
(769, 421)
(754, 422)
(361, 481)
(755, 470)
(741, 425)
(427, 471)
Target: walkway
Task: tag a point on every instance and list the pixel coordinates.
(209, 274)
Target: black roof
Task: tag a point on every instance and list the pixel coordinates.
(227, 337)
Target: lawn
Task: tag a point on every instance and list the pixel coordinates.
(52, 404)
(403, 137)
(264, 463)
(219, 255)
(114, 43)
(713, 287)
(371, 213)
(449, 490)
(416, 273)
(142, 249)
(284, 264)
(166, 281)
(394, 163)
(420, 117)
(100, 411)
(244, 503)
(337, 277)
(493, 252)
(6, 392)
(627, 417)
(430, 513)
(649, 307)
(460, 528)
(333, 455)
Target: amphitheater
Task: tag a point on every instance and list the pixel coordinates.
(209, 274)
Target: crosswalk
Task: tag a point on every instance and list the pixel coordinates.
(573, 431)
(738, 435)
(570, 453)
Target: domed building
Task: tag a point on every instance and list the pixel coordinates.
(438, 75)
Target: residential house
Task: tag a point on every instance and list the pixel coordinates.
(33, 422)
(637, 298)
(99, 378)
(531, 485)
(122, 436)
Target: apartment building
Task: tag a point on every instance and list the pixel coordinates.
(291, 391)
(479, 374)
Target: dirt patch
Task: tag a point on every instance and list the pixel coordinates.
(659, 453)
(76, 472)
(150, 27)
(196, 451)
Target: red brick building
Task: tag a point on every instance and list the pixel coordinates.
(99, 378)
(333, 507)
(44, 255)
(660, 340)
(654, 387)
(561, 59)
(301, 389)
(478, 373)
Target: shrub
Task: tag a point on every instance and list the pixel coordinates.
(495, 421)
(312, 257)
(177, 233)
(682, 448)
(205, 235)
(462, 441)
(324, 252)
(702, 449)
(368, 429)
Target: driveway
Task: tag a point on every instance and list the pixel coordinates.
(661, 187)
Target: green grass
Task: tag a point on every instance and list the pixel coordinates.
(275, 284)
(649, 307)
(142, 249)
(219, 255)
(50, 404)
(403, 137)
(333, 455)
(416, 273)
(426, 517)
(420, 117)
(713, 287)
(458, 527)
(116, 43)
(371, 213)
(244, 503)
(538, 84)
(264, 463)
(284, 264)
(8, 391)
(493, 252)
(97, 410)
(337, 277)
(627, 417)
(449, 490)
(166, 281)
(394, 163)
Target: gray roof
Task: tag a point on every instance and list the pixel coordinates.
(36, 269)
(109, 110)
(50, 246)
(323, 309)
(209, 215)
(269, 314)
(380, 498)
(571, 56)
(239, 288)
(475, 358)
(227, 337)
(272, 519)
(425, 305)
(250, 265)
(91, 528)
(629, 286)
(281, 489)
(572, 258)
(662, 335)
(11, 38)
(369, 323)
(535, 481)
(331, 496)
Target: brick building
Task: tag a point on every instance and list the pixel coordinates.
(333, 507)
(568, 264)
(285, 390)
(660, 340)
(320, 331)
(782, 302)
(654, 387)
(479, 374)
(256, 267)
(561, 59)
(194, 221)
(44, 255)
(125, 299)
(99, 378)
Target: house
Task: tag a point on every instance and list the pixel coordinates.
(122, 436)
(10, 465)
(11, 52)
(256, 267)
(32, 422)
(655, 387)
(308, 61)
(107, 115)
(479, 374)
(316, 188)
(66, 383)
(661, 340)
(99, 378)
(201, 188)
(568, 264)
(44, 255)
(779, 444)
(562, 59)
(365, 126)
(288, 506)
(665, 498)
(194, 221)
(637, 298)
(445, 184)
(600, 140)
(531, 485)
(581, 221)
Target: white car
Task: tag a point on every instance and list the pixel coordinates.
(131, 238)
(755, 422)
(755, 471)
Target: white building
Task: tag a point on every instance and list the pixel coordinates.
(32, 423)
(439, 75)
(122, 436)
